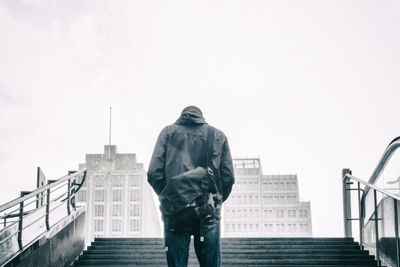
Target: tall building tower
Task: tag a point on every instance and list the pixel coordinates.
(118, 200)
(265, 205)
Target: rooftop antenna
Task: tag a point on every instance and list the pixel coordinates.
(109, 139)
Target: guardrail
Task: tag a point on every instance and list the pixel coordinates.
(27, 218)
(383, 215)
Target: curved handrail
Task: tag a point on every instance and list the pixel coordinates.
(390, 149)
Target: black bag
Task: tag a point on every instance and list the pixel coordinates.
(190, 195)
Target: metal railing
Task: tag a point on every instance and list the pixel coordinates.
(382, 217)
(27, 218)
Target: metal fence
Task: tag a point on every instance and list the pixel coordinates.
(28, 218)
(378, 211)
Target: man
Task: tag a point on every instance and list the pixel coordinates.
(182, 148)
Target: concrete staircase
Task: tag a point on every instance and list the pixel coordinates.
(234, 252)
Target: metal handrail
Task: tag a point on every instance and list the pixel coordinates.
(362, 194)
(390, 149)
(380, 190)
(40, 190)
(66, 198)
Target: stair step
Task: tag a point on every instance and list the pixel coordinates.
(235, 252)
(236, 239)
(227, 256)
(229, 243)
(306, 252)
(294, 262)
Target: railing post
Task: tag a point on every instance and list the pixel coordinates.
(346, 203)
(396, 230)
(20, 222)
(48, 209)
(376, 230)
(69, 197)
(361, 219)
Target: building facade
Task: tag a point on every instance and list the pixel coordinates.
(119, 202)
(265, 205)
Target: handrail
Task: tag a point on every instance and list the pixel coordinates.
(390, 149)
(362, 194)
(39, 190)
(383, 191)
(20, 208)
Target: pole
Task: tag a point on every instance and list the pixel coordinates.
(346, 204)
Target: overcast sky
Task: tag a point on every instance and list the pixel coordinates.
(310, 87)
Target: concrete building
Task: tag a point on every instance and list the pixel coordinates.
(265, 205)
(119, 202)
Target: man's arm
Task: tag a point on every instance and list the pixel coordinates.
(226, 170)
(155, 174)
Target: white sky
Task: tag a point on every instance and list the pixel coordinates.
(310, 87)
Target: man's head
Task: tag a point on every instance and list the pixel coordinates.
(193, 110)
(191, 115)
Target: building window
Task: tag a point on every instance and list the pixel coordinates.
(81, 195)
(291, 186)
(135, 180)
(267, 213)
(116, 210)
(98, 210)
(99, 195)
(117, 180)
(279, 213)
(133, 225)
(116, 225)
(268, 228)
(134, 195)
(134, 210)
(99, 180)
(117, 195)
(302, 213)
(280, 228)
(98, 225)
(292, 227)
(292, 213)
(267, 199)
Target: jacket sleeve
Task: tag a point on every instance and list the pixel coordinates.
(156, 172)
(226, 171)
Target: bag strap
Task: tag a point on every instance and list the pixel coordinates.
(210, 185)
(209, 146)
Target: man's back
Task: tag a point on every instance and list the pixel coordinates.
(181, 148)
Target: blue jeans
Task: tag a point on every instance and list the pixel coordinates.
(208, 252)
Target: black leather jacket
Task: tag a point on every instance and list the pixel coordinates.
(181, 147)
